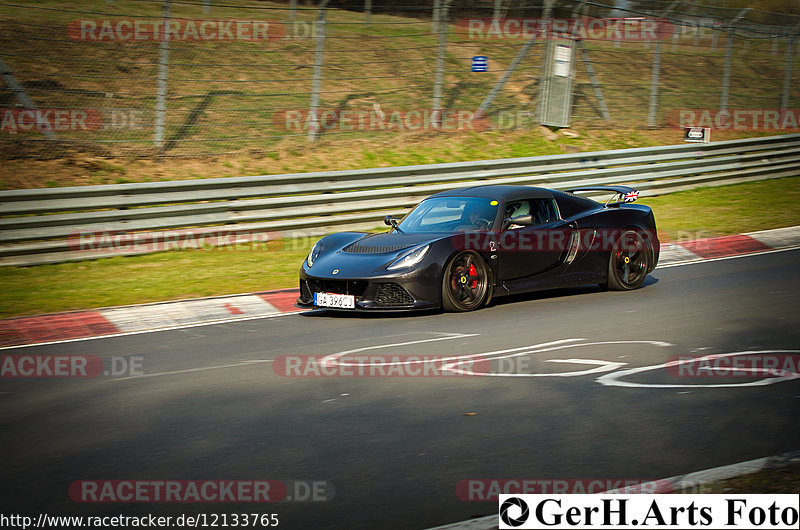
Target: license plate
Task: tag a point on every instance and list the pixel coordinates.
(344, 301)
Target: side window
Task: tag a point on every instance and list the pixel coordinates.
(517, 208)
(542, 210)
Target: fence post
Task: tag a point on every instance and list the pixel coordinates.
(441, 51)
(163, 72)
(787, 73)
(676, 37)
(726, 73)
(651, 115)
(547, 10)
(319, 40)
(368, 12)
(498, 5)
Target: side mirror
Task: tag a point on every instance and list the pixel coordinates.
(388, 220)
(521, 220)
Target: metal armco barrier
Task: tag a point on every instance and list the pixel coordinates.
(46, 225)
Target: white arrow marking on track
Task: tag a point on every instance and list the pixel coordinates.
(614, 379)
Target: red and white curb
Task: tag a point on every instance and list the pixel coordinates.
(726, 246)
(667, 485)
(145, 317)
(184, 313)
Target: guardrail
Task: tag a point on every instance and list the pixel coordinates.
(52, 225)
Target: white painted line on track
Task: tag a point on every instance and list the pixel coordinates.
(614, 379)
(189, 370)
(333, 358)
(600, 365)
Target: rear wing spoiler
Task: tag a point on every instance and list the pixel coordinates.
(622, 194)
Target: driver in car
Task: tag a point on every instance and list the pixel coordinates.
(480, 217)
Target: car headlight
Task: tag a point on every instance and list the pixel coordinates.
(412, 257)
(314, 254)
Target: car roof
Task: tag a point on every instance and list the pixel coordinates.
(499, 191)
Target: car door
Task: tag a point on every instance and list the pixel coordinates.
(533, 257)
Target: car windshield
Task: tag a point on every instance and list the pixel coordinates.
(451, 214)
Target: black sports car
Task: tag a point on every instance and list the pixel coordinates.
(460, 248)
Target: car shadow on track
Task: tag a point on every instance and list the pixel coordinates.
(560, 292)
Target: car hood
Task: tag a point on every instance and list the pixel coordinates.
(388, 243)
(354, 255)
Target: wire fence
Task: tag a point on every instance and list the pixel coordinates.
(202, 77)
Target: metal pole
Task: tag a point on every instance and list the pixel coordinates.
(726, 74)
(787, 77)
(651, 117)
(675, 37)
(293, 13)
(163, 71)
(547, 12)
(787, 73)
(498, 5)
(368, 11)
(437, 7)
(22, 96)
(206, 6)
(319, 38)
(441, 51)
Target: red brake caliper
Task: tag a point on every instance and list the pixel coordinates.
(473, 272)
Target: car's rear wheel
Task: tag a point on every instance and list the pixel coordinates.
(466, 283)
(628, 262)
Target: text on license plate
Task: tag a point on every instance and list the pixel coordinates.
(345, 301)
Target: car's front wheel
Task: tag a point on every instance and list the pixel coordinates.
(629, 262)
(466, 283)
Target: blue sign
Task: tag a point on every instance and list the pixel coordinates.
(480, 63)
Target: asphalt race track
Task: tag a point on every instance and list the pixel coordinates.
(392, 450)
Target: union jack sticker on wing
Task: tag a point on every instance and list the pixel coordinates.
(631, 196)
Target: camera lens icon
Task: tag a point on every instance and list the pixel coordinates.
(520, 505)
